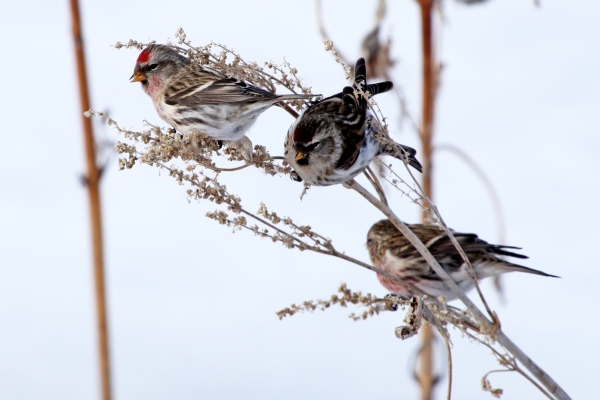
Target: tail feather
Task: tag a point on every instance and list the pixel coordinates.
(405, 151)
(360, 73)
(400, 152)
(381, 87)
(510, 267)
(499, 249)
(360, 82)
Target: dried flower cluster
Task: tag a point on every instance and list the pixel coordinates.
(373, 304)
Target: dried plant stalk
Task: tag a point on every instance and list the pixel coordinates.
(191, 160)
(93, 186)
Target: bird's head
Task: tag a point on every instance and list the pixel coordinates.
(379, 235)
(315, 143)
(156, 64)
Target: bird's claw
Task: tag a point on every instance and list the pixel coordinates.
(393, 300)
(295, 177)
(244, 145)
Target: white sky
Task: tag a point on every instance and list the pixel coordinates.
(192, 307)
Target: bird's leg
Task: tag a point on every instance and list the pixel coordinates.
(244, 145)
(295, 177)
(497, 325)
(394, 299)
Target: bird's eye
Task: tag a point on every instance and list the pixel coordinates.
(314, 146)
(369, 240)
(152, 67)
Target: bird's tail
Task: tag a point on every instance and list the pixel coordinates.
(402, 153)
(380, 87)
(510, 267)
(360, 80)
(360, 73)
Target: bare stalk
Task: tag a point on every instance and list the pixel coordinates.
(426, 377)
(449, 361)
(93, 181)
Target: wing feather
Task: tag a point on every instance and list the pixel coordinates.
(197, 85)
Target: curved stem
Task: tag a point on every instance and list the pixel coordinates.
(449, 360)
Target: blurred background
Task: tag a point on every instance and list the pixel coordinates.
(192, 306)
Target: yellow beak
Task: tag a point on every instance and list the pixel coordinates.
(301, 155)
(138, 76)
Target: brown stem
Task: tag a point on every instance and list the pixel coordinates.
(426, 375)
(426, 7)
(289, 109)
(93, 180)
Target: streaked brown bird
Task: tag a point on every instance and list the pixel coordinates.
(193, 97)
(392, 252)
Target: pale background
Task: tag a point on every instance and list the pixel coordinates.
(191, 306)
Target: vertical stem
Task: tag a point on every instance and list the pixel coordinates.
(428, 97)
(93, 178)
(425, 373)
(426, 376)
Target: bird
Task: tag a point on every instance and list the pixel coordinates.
(391, 252)
(193, 97)
(336, 138)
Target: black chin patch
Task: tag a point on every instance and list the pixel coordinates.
(145, 82)
(303, 161)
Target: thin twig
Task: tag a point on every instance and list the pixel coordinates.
(288, 109)
(513, 365)
(372, 177)
(325, 36)
(449, 360)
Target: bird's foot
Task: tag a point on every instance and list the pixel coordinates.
(244, 145)
(393, 300)
(295, 177)
(497, 325)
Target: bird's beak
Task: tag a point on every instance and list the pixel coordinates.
(301, 155)
(138, 76)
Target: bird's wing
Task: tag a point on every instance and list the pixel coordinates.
(199, 86)
(442, 244)
(402, 248)
(439, 243)
(351, 123)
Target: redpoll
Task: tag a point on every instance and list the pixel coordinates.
(193, 97)
(392, 252)
(334, 139)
